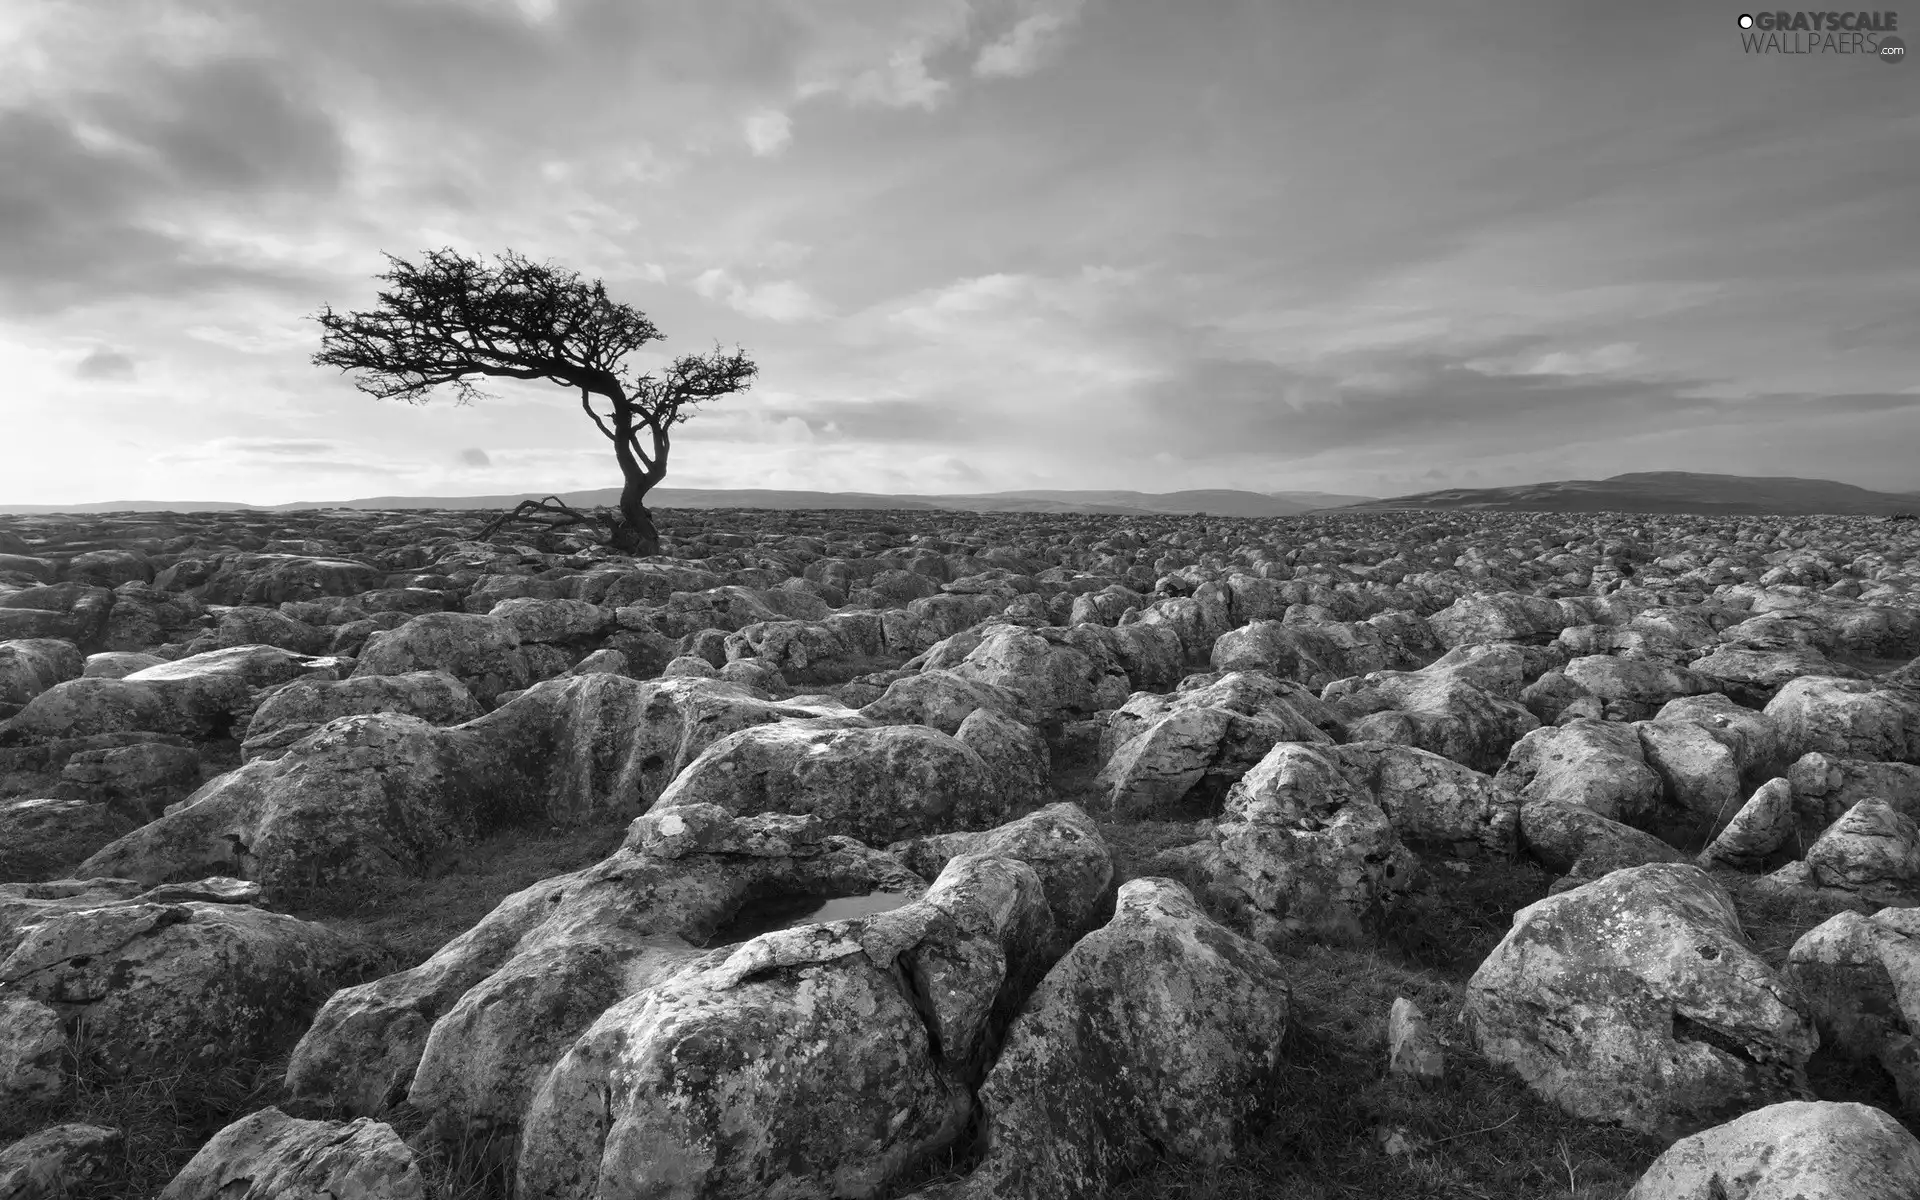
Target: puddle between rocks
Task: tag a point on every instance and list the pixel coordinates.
(785, 912)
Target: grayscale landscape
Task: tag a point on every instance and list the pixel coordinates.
(958, 600)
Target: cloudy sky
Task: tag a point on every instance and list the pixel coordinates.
(1362, 246)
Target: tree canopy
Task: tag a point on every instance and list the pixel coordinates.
(453, 318)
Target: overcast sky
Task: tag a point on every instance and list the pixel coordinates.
(1351, 246)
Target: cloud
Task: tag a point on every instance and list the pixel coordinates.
(768, 132)
(1026, 47)
(89, 200)
(105, 364)
(473, 456)
(782, 301)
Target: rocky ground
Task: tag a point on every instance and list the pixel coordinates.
(943, 855)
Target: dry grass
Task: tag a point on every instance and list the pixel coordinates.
(412, 918)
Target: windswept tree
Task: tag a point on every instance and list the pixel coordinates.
(453, 318)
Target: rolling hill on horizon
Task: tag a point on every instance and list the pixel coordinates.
(1217, 502)
(1666, 492)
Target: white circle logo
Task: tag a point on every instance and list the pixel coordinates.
(1746, 20)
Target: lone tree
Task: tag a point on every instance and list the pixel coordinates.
(454, 318)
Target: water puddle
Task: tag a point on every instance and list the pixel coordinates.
(785, 912)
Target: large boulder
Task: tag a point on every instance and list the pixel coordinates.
(58, 1161)
(1162, 750)
(296, 710)
(1871, 853)
(1304, 848)
(138, 780)
(1699, 773)
(819, 1060)
(1861, 975)
(29, 666)
(1054, 678)
(1825, 786)
(941, 699)
(1793, 1150)
(46, 837)
(203, 696)
(1442, 708)
(1156, 1035)
(543, 622)
(1315, 653)
(1059, 842)
(1598, 764)
(877, 784)
(1749, 736)
(1758, 829)
(1637, 1000)
(469, 1033)
(1581, 845)
(1848, 718)
(249, 626)
(1633, 688)
(482, 652)
(1754, 677)
(164, 983)
(271, 579)
(1504, 617)
(268, 1155)
(380, 793)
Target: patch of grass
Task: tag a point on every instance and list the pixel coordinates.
(164, 1117)
(1773, 919)
(412, 918)
(1457, 917)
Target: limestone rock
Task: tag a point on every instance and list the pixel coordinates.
(1761, 826)
(1825, 787)
(1583, 845)
(47, 837)
(1305, 848)
(179, 983)
(1872, 852)
(1413, 1052)
(1163, 749)
(941, 699)
(55, 1162)
(381, 793)
(1848, 718)
(1594, 763)
(1699, 773)
(471, 1031)
(301, 707)
(1793, 1150)
(33, 1049)
(1636, 1000)
(1060, 842)
(29, 666)
(1861, 975)
(835, 1079)
(268, 1155)
(482, 652)
(139, 780)
(1754, 677)
(1155, 1034)
(197, 697)
(1054, 678)
(877, 784)
(118, 664)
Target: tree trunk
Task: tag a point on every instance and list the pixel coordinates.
(635, 534)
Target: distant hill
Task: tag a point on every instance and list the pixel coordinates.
(1667, 492)
(1215, 502)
